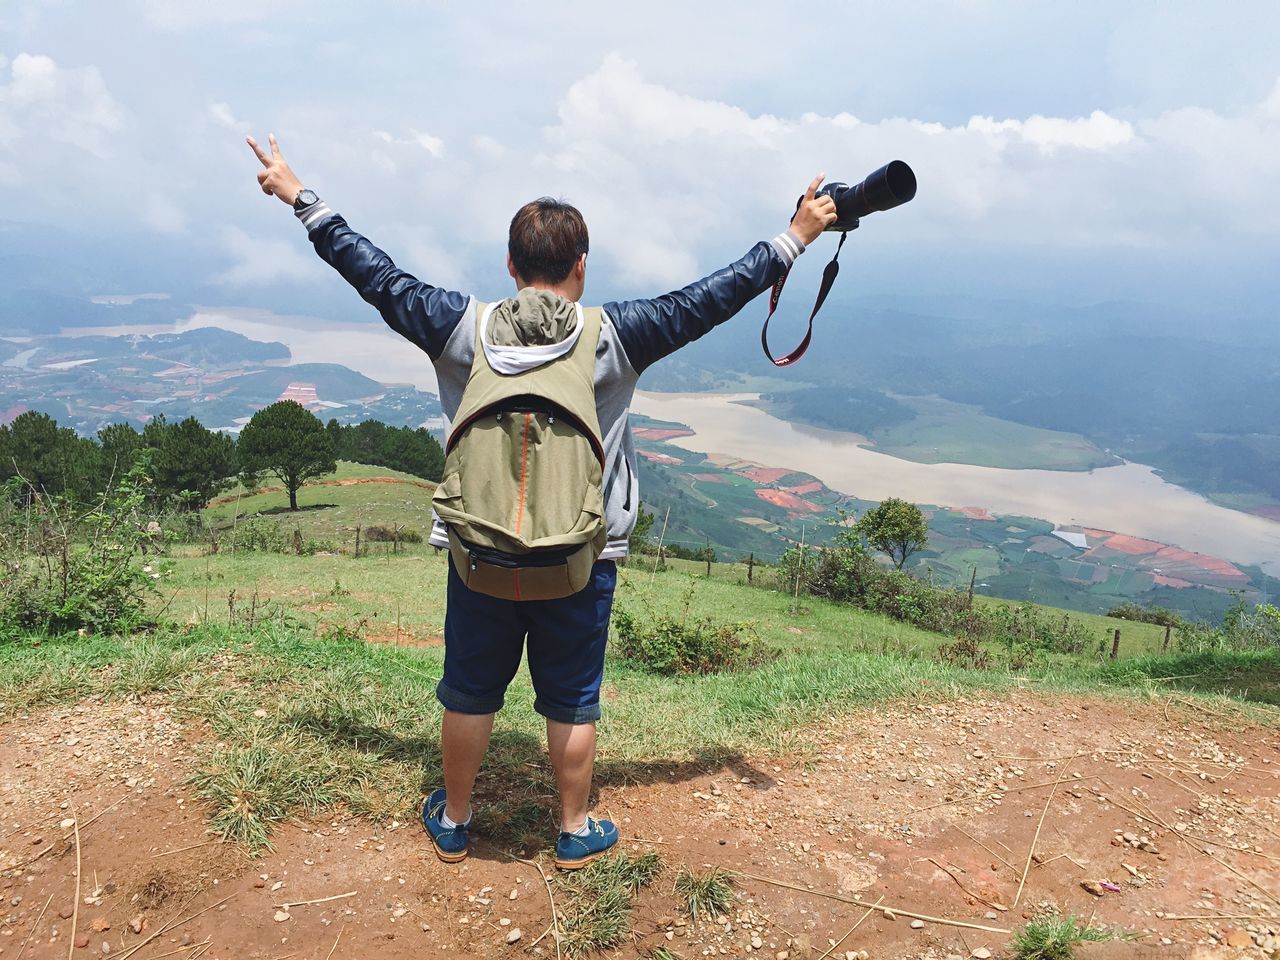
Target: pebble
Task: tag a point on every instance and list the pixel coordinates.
(982, 953)
(66, 912)
(281, 916)
(504, 922)
(82, 942)
(917, 924)
(514, 936)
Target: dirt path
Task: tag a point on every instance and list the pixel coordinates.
(931, 807)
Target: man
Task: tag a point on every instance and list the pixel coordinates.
(484, 635)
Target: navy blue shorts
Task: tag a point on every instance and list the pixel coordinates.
(484, 637)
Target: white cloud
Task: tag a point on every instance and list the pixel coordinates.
(223, 116)
(43, 102)
(662, 175)
(257, 261)
(184, 15)
(415, 138)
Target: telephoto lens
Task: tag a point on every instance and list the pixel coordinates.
(890, 186)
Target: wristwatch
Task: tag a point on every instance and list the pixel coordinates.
(305, 198)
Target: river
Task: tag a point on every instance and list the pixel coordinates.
(1129, 498)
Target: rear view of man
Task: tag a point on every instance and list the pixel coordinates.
(541, 329)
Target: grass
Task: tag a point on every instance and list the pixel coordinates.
(1055, 938)
(597, 900)
(947, 432)
(706, 895)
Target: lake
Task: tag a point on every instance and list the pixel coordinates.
(1129, 498)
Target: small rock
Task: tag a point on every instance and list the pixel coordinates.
(513, 894)
(504, 922)
(514, 936)
(281, 916)
(1238, 938)
(781, 955)
(66, 913)
(260, 714)
(106, 948)
(399, 912)
(68, 823)
(917, 924)
(982, 953)
(82, 942)
(1094, 887)
(259, 883)
(136, 924)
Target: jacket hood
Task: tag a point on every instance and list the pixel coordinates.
(529, 330)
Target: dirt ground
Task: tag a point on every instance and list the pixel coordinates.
(1170, 811)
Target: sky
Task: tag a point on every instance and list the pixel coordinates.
(1070, 153)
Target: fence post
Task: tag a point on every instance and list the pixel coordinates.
(1164, 647)
(707, 555)
(357, 540)
(751, 567)
(973, 579)
(1115, 645)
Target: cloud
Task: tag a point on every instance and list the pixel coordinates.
(185, 15)
(415, 138)
(257, 261)
(662, 175)
(43, 102)
(222, 115)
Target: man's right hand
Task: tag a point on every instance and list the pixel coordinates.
(276, 179)
(815, 213)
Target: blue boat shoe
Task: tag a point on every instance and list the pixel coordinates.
(450, 844)
(574, 852)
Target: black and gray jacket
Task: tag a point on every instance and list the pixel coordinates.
(635, 334)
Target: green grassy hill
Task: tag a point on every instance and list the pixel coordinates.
(331, 589)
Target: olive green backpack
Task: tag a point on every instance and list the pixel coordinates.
(522, 493)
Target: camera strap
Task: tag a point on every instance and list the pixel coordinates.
(829, 274)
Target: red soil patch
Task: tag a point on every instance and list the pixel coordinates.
(765, 474)
(10, 414)
(788, 502)
(813, 486)
(974, 513)
(932, 807)
(658, 457)
(1163, 581)
(661, 433)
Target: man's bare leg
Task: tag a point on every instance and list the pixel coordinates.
(464, 738)
(573, 755)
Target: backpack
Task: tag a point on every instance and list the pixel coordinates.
(522, 493)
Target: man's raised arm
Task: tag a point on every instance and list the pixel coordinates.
(652, 329)
(421, 313)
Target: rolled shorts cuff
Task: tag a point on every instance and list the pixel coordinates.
(451, 699)
(589, 713)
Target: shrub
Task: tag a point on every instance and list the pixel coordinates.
(68, 568)
(1158, 615)
(378, 534)
(261, 535)
(670, 646)
(845, 573)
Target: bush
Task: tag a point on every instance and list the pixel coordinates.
(670, 646)
(391, 534)
(67, 568)
(1243, 628)
(261, 535)
(1160, 616)
(845, 573)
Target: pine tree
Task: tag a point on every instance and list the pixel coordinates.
(288, 441)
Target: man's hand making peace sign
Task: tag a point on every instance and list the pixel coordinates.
(276, 179)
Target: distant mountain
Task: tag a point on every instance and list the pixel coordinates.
(216, 375)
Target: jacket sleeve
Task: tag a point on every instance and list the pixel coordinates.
(417, 311)
(652, 329)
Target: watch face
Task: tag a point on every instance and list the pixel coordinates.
(305, 198)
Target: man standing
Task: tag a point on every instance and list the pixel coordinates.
(484, 635)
